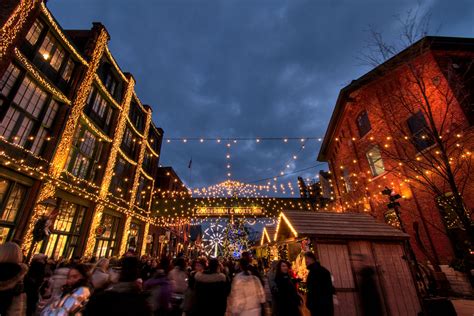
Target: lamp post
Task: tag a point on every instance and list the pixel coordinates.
(41, 228)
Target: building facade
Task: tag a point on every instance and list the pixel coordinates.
(379, 137)
(77, 146)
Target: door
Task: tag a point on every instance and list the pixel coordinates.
(400, 294)
(335, 258)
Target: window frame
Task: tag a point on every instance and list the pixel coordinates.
(76, 151)
(11, 186)
(372, 162)
(41, 123)
(416, 137)
(363, 129)
(72, 235)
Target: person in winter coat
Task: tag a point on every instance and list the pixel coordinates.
(52, 288)
(271, 285)
(160, 293)
(100, 277)
(212, 289)
(124, 298)
(287, 300)
(33, 281)
(76, 293)
(247, 294)
(320, 289)
(12, 272)
(189, 303)
(178, 278)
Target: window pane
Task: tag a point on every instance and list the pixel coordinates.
(34, 32)
(8, 79)
(46, 47)
(363, 123)
(51, 244)
(52, 52)
(4, 183)
(57, 58)
(14, 202)
(375, 161)
(4, 234)
(39, 141)
(9, 122)
(419, 131)
(50, 113)
(23, 132)
(65, 217)
(68, 70)
(30, 97)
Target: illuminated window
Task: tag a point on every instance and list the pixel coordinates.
(85, 154)
(363, 123)
(134, 235)
(419, 131)
(65, 234)
(34, 32)
(375, 161)
(12, 195)
(31, 111)
(108, 242)
(52, 52)
(347, 180)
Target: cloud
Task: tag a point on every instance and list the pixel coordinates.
(245, 68)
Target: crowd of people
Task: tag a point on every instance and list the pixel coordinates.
(147, 286)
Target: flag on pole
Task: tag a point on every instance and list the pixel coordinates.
(190, 163)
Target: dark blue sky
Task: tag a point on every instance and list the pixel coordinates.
(245, 68)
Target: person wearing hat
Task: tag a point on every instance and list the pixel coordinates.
(12, 272)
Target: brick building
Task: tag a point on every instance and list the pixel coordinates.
(375, 137)
(76, 142)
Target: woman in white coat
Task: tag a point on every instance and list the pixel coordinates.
(247, 294)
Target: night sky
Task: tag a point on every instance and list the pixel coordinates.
(247, 68)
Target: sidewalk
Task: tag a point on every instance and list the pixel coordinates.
(464, 307)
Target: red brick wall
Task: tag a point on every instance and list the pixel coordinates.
(348, 151)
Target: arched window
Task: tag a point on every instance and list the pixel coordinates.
(363, 123)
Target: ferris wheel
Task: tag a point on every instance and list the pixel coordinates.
(213, 240)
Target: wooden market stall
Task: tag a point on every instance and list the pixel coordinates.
(262, 250)
(346, 242)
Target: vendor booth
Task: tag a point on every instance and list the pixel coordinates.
(346, 244)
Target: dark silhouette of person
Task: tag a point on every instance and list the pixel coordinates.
(319, 299)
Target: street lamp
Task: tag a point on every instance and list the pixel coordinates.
(41, 228)
(393, 213)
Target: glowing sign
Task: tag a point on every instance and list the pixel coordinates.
(219, 211)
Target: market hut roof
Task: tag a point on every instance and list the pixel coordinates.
(268, 233)
(334, 225)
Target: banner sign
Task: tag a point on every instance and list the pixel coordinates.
(219, 211)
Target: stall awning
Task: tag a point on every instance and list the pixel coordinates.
(334, 225)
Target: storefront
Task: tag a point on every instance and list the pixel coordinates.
(134, 236)
(64, 240)
(108, 234)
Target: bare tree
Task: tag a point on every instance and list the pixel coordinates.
(421, 102)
